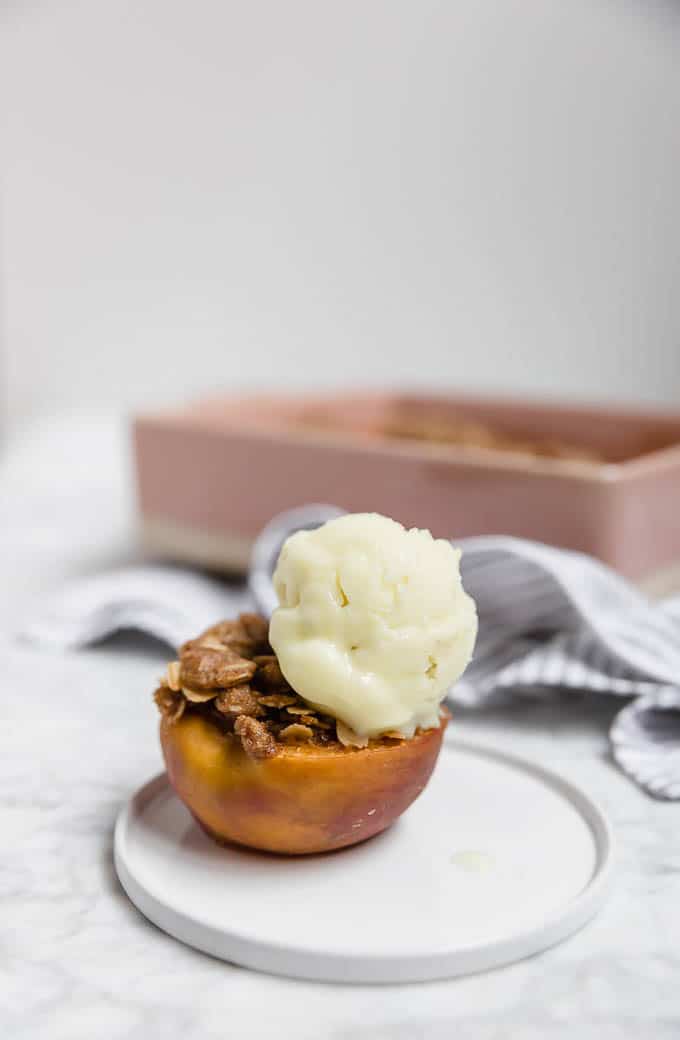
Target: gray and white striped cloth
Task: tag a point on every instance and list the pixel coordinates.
(552, 619)
(549, 620)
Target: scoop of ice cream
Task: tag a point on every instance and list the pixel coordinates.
(373, 624)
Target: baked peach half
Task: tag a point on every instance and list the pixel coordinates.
(306, 797)
(258, 765)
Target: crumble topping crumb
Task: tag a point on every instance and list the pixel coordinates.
(231, 675)
(170, 703)
(239, 700)
(204, 668)
(256, 739)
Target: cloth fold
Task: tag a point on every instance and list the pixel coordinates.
(549, 619)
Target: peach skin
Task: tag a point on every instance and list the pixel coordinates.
(304, 799)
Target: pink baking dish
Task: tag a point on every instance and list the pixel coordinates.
(211, 475)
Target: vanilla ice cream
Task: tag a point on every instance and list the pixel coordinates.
(373, 624)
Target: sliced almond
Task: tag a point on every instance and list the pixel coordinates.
(199, 696)
(170, 703)
(317, 722)
(296, 734)
(276, 700)
(348, 737)
(173, 676)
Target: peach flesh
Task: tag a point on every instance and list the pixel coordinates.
(305, 798)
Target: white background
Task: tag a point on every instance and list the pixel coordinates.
(206, 195)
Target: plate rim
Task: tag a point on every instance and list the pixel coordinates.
(281, 958)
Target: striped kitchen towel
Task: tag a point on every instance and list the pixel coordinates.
(549, 619)
(553, 619)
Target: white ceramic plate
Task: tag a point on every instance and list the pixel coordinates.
(498, 859)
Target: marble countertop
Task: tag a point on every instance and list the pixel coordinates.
(78, 736)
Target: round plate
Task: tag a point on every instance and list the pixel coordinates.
(497, 860)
